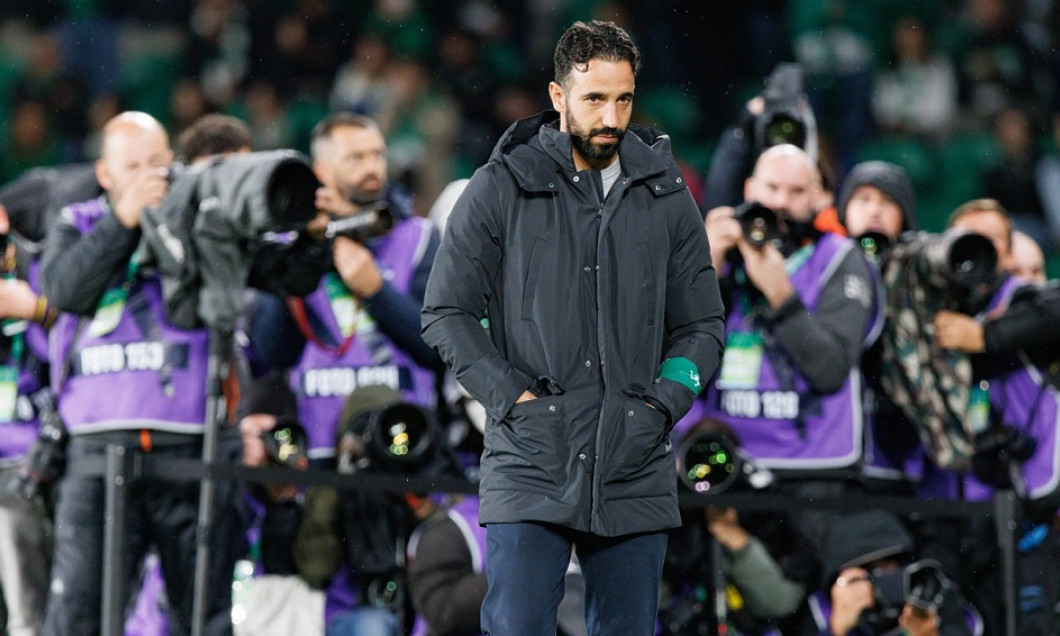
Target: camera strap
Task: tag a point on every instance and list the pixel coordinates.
(305, 321)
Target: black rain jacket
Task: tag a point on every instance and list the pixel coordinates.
(583, 297)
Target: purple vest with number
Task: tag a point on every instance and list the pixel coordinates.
(781, 421)
(143, 374)
(324, 377)
(1026, 402)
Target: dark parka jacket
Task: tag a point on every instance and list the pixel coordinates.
(583, 298)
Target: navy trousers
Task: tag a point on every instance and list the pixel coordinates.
(525, 567)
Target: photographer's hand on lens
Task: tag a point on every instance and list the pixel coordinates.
(331, 201)
(918, 622)
(357, 267)
(316, 227)
(767, 270)
(955, 330)
(251, 428)
(17, 300)
(147, 190)
(756, 105)
(851, 594)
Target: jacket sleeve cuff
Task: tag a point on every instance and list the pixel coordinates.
(510, 389)
(789, 308)
(675, 389)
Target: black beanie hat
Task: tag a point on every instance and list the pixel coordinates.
(891, 179)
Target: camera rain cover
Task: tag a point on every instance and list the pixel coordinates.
(200, 234)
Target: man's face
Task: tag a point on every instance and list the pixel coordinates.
(1027, 260)
(353, 162)
(128, 151)
(595, 108)
(994, 227)
(786, 184)
(870, 210)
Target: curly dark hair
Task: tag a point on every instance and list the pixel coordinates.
(597, 40)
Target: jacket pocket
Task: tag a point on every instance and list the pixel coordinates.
(642, 464)
(527, 450)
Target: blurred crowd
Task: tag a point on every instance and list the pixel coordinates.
(962, 93)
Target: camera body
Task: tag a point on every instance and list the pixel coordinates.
(286, 443)
(46, 461)
(203, 236)
(956, 268)
(783, 120)
(921, 584)
(760, 224)
(399, 437)
(711, 462)
(873, 245)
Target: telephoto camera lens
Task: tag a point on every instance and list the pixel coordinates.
(964, 258)
(403, 433)
(708, 463)
(785, 130)
(759, 223)
(374, 222)
(873, 244)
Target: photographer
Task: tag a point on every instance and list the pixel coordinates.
(876, 206)
(447, 577)
(781, 114)
(871, 587)
(352, 544)
(127, 377)
(1027, 260)
(274, 599)
(361, 324)
(34, 199)
(30, 458)
(991, 361)
(801, 310)
(762, 568)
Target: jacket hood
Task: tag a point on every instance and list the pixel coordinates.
(859, 538)
(535, 150)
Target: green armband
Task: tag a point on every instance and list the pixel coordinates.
(682, 371)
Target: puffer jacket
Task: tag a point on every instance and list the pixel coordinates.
(602, 305)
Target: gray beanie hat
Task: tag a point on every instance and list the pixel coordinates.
(891, 179)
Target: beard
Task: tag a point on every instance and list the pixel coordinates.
(360, 194)
(593, 152)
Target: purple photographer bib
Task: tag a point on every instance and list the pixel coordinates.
(779, 419)
(324, 377)
(144, 373)
(1026, 402)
